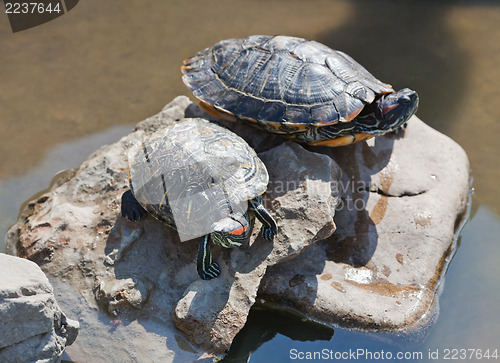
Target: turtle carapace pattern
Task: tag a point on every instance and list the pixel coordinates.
(301, 89)
(202, 180)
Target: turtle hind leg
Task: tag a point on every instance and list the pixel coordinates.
(131, 209)
(206, 268)
(269, 228)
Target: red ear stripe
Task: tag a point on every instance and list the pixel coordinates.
(239, 231)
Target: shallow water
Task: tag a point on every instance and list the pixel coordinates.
(84, 79)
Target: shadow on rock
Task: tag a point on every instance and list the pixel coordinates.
(356, 237)
(383, 266)
(355, 240)
(151, 269)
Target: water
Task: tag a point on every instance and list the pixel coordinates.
(84, 79)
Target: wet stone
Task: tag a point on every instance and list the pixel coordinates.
(402, 198)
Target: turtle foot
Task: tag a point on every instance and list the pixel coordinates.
(212, 272)
(268, 232)
(131, 209)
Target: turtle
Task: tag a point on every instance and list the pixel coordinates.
(202, 180)
(298, 88)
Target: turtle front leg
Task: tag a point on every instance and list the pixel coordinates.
(131, 209)
(269, 228)
(206, 268)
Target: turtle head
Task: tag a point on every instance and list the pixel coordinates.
(396, 108)
(231, 230)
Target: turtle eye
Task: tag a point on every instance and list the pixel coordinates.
(405, 100)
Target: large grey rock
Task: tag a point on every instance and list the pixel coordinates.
(402, 196)
(402, 201)
(141, 275)
(32, 326)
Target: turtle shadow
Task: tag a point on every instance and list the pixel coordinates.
(355, 240)
(152, 256)
(414, 49)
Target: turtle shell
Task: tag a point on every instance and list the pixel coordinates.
(285, 84)
(194, 173)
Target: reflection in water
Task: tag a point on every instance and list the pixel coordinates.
(264, 323)
(469, 305)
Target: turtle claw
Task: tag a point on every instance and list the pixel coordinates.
(131, 209)
(269, 228)
(211, 272)
(268, 232)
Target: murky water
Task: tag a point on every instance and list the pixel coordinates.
(84, 79)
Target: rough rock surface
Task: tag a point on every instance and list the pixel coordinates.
(402, 201)
(32, 326)
(402, 196)
(141, 274)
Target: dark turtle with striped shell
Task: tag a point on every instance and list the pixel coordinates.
(199, 178)
(301, 89)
